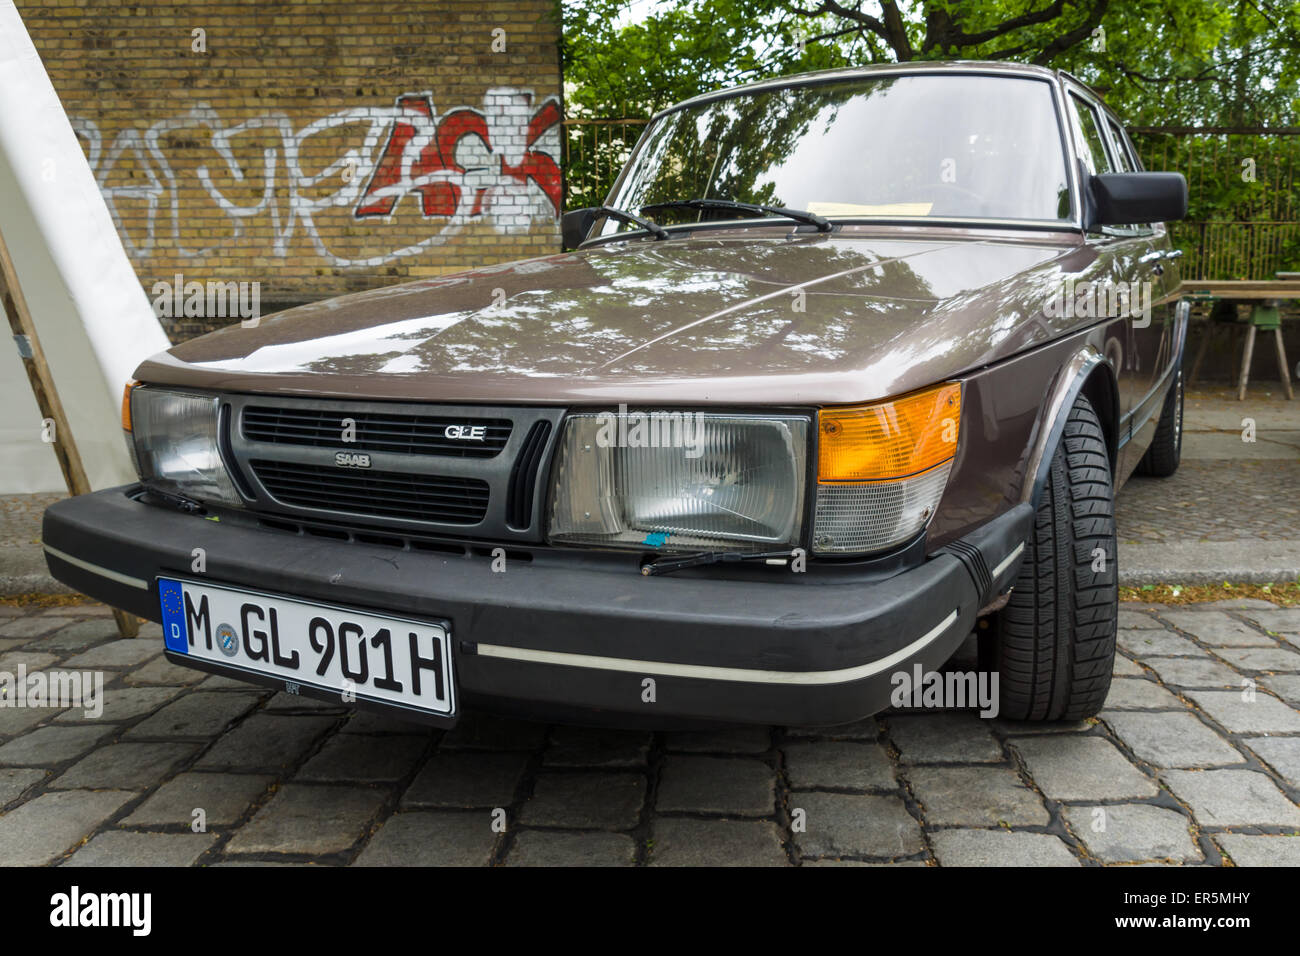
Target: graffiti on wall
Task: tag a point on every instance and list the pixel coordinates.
(422, 152)
(496, 164)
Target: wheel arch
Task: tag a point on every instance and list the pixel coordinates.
(1102, 389)
(1088, 373)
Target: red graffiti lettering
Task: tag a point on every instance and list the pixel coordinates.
(420, 157)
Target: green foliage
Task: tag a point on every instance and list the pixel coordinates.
(1167, 62)
(678, 51)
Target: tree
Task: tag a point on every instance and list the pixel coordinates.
(1174, 62)
(950, 27)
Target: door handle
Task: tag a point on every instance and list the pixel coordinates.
(1158, 254)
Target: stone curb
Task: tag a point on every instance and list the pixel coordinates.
(23, 571)
(1209, 562)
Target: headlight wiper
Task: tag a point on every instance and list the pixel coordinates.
(649, 225)
(667, 565)
(798, 215)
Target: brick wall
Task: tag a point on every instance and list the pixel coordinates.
(314, 147)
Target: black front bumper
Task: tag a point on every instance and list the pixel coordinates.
(559, 636)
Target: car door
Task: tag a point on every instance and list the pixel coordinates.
(1120, 251)
(1155, 336)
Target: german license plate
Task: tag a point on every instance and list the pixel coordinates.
(336, 649)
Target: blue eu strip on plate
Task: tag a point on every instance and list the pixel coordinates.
(173, 615)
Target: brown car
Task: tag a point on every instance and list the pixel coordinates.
(849, 367)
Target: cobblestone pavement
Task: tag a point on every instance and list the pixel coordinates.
(1227, 488)
(20, 517)
(22, 563)
(1212, 500)
(1185, 766)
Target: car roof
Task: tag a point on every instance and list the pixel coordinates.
(847, 73)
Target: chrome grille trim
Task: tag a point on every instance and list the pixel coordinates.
(404, 434)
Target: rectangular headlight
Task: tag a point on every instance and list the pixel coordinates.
(675, 481)
(176, 445)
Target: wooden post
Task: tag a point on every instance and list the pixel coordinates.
(1282, 367)
(47, 398)
(1245, 362)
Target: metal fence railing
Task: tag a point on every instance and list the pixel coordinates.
(1244, 186)
(594, 152)
(1237, 250)
(1243, 222)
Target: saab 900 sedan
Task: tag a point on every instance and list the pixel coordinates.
(848, 368)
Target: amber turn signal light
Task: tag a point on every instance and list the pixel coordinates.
(889, 440)
(126, 405)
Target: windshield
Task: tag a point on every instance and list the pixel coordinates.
(921, 145)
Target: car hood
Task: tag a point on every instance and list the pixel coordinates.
(749, 316)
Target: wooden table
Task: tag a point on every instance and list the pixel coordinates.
(1264, 294)
(1244, 290)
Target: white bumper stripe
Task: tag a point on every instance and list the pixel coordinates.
(705, 672)
(96, 569)
(1006, 562)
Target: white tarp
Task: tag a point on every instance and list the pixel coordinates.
(91, 314)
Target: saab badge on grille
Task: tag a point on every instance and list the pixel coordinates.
(465, 432)
(347, 460)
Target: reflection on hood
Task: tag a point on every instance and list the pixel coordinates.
(875, 311)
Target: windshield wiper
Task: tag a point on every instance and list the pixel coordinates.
(649, 225)
(798, 215)
(666, 565)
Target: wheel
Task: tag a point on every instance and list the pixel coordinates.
(1161, 459)
(1053, 643)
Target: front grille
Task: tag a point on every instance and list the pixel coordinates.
(399, 473)
(374, 432)
(523, 476)
(386, 494)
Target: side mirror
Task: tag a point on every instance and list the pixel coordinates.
(1122, 198)
(575, 225)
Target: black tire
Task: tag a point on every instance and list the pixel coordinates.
(1053, 643)
(1166, 451)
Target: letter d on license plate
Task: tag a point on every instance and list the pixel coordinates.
(335, 649)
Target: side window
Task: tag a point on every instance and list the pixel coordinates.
(1126, 164)
(1088, 137)
(1122, 147)
(1098, 151)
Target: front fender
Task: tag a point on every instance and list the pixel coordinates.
(1087, 373)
